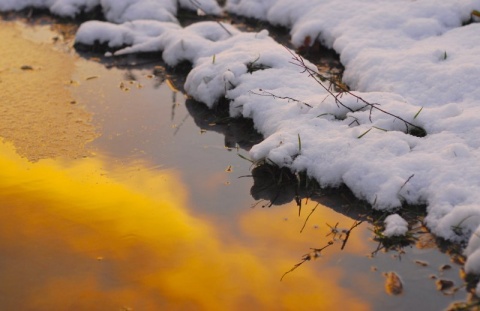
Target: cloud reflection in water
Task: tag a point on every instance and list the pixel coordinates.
(86, 235)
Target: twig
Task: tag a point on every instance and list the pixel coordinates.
(307, 257)
(266, 93)
(380, 246)
(257, 203)
(333, 230)
(408, 179)
(199, 7)
(300, 62)
(299, 204)
(225, 28)
(295, 267)
(306, 220)
(347, 234)
(177, 128)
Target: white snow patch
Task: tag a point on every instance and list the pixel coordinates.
(395, 225)
(117, 11)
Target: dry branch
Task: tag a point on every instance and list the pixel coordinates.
(319, 78)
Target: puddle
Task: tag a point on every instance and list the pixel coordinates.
(158, 218)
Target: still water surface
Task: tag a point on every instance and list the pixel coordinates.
(152, 214)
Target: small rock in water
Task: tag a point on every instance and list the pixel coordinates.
(443, 285)
(393, 284)
(458, 259)
(445, 267)
(421, 263)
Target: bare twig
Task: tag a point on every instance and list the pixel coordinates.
(266, 93)
(300, 62)
(199, 7)
(177, 127)
(315, 253)
(333, 230)
(380, 246)
(347, 233)
(299, 204)
(306, 220)
(409, 178)
(225, 28)
(258, 203)
(295, 267)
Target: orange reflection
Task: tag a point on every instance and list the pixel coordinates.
(284, 226)
(88, 236)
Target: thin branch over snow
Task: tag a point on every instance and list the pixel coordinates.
(299, 61)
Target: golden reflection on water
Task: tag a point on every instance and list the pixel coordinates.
(85, 235)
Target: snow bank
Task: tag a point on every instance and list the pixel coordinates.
(395, 226)
(414, 59)
(128, 34)
(117, 11)
(405, 55)
(67, 8)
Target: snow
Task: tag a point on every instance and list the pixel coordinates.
(116, 36)
(414, 59)
(395, 226)
(117, 11)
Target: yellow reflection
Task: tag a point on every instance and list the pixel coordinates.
(284, 226)
(90, 236)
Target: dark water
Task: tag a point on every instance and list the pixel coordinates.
(159, 217)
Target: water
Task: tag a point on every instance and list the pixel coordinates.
(150, 212)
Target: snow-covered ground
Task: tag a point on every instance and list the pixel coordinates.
(417, 60)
